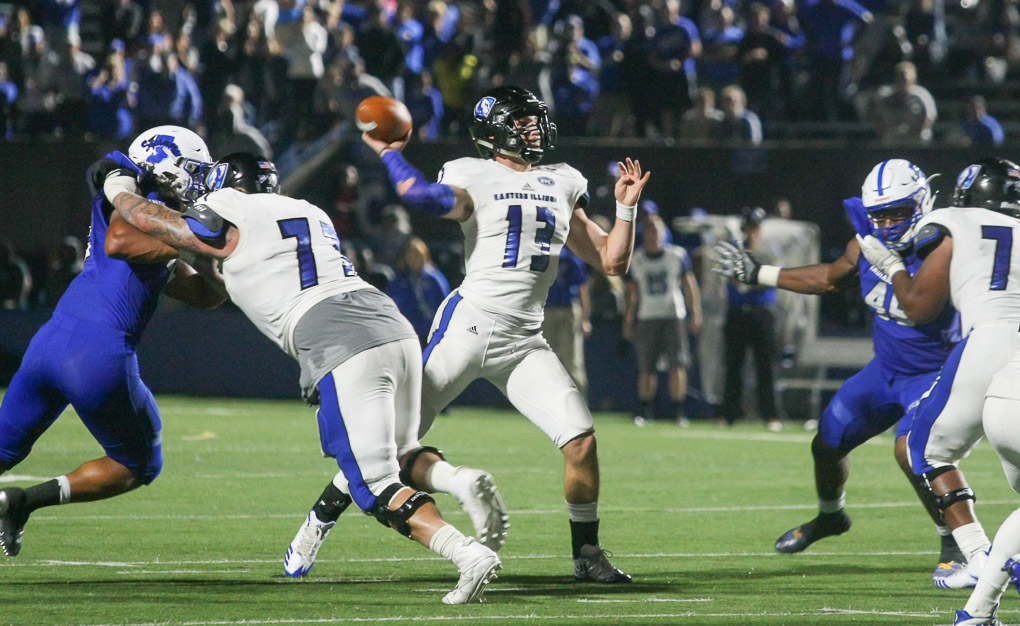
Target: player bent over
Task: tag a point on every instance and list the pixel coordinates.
(516, 216)
(908, 356)
(359, 358)
(85, 354)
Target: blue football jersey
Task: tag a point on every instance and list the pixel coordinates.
(901, 346)
(114, 293)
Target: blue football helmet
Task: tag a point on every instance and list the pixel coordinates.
(898, 190)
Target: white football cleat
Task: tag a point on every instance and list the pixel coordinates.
(965, 577)
(478, 566)
(301, 553)
(484, 506)
(963, 618)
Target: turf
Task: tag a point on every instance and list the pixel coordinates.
(691, 513)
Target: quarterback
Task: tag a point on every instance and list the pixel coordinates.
(516, 216)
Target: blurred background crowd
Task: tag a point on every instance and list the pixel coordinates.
(286, 71)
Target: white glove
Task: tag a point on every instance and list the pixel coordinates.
(885, 260)
(119, 181)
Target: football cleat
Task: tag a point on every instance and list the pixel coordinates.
(594, 565)
(12, 521)
(478, 566)
(946, 569)
(825, 525)
(1013, 569)
(963, 618)
(485, 507)
(964, 577)
(302, 551)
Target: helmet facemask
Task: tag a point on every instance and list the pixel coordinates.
(896, 190)
(496, 128)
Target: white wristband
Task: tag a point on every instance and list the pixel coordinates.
(116, 185)
(768, 275)
(626, 213)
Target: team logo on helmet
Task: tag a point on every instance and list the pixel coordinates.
(214, 179)
(484, 106)
(157, 145)
(968, 176)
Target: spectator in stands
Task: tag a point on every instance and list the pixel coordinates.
(217, 57)
(739, 123)
(425, 103)
(111, 101)
(418, 287)
(69, 84)
(8, 102)
(60, 20)
(978, 127)
(720, 63)
(750, 325)
(573, 73)
(761, 57)
(703, 121)
(673, 52)
(167, 92)
(410, 32)
(380, 47)
(455, 72)
(38, 106)
(237, 134)
(567, 320)
(829, 27)
(903, 111)
(15, 278)
(528, 68)
(614, 116)
(390, 237)
(786, 28)
(303, 43)
(123, 20)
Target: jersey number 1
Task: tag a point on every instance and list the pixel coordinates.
(543, 237)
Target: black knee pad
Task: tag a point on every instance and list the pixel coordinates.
(948, 499)
(412, 456)
(399, 519)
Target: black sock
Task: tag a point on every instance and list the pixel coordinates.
(43, 494)
(331, 504)
(646, 410)
(582, 533)
(677, 407)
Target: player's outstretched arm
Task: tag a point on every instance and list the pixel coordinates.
(446, 201)
(611, 251)
(733, 261)
(158, 221)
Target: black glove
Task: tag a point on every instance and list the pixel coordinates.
(733, 261)
(102, 168)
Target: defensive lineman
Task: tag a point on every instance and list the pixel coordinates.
(895, 196)
(282, 266)
(516, 216)
(85, 354)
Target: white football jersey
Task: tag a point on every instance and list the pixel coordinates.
(660, 292)
(513, 238)
(984, 274)
(287, 259)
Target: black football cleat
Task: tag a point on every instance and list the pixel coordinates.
(825, 525)
(12, 520)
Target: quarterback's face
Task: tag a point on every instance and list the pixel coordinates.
(528, 127)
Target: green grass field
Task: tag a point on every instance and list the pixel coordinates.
(692, 514)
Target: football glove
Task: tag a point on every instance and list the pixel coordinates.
(733, 261)
(885, 260)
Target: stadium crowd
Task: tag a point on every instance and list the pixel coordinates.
(285, 71)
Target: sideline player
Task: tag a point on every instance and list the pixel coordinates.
(663, 303)
(85, 354)
(908, 356)
(359, 357)
(968, 260)
(515, 215)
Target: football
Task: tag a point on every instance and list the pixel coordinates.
(385, 119)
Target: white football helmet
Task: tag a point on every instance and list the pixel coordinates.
(175, 156)
(896, 189)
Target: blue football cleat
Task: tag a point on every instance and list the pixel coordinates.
(1013, 568)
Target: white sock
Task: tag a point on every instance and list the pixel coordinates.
(972, 539)
(993, 580)
(445, 540)
(832, 506)
(584, 512)
(65, 489)
(441, 477)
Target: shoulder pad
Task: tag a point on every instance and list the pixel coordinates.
(204, 222)
(928, 238)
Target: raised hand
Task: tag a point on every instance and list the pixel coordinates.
(631, 182)
(381, 146)
(733, 261)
